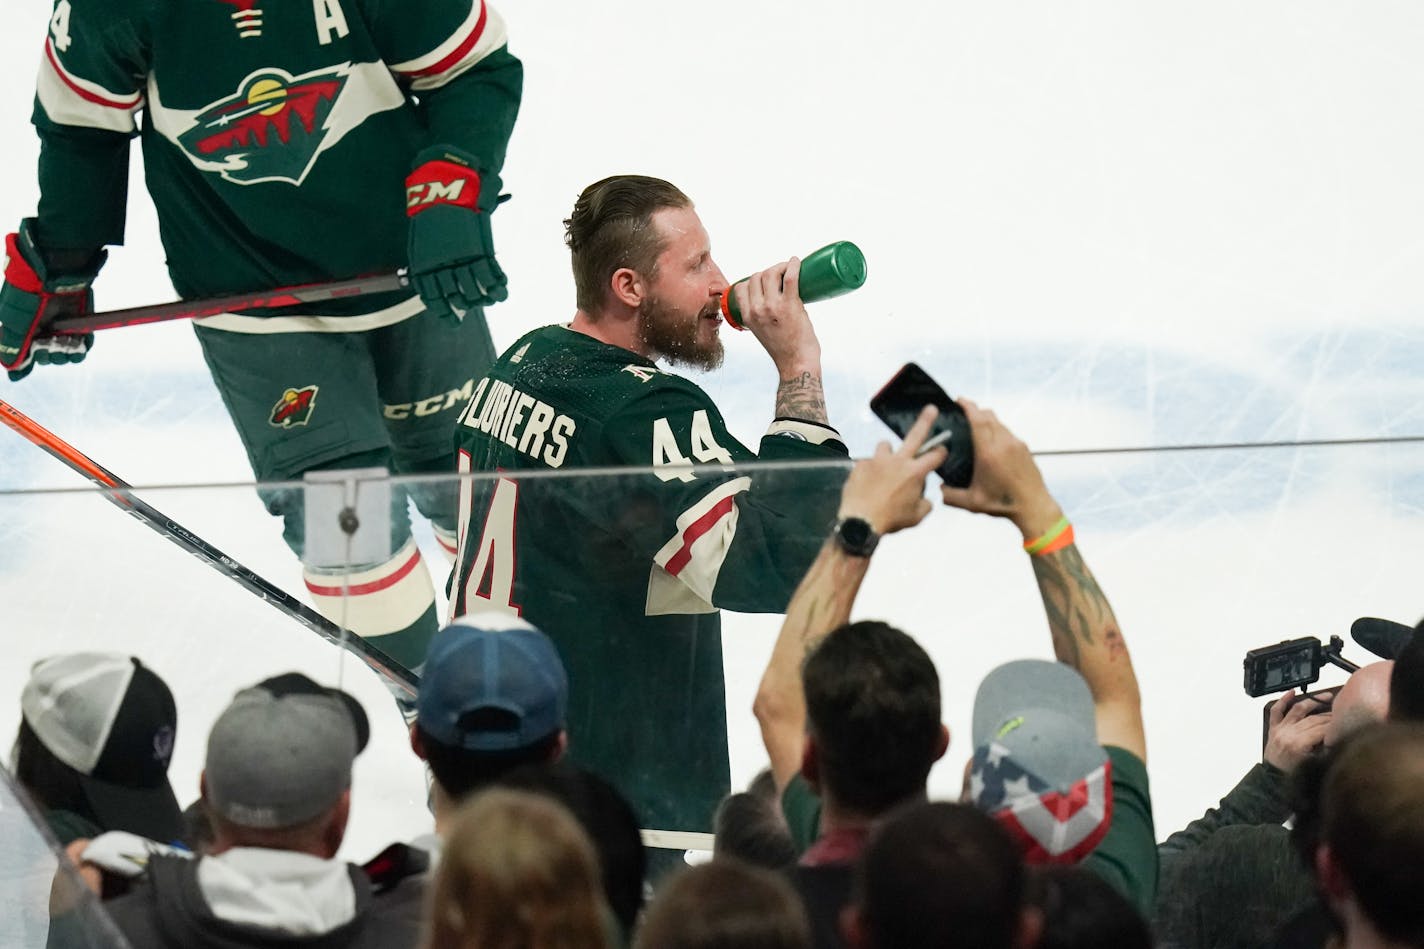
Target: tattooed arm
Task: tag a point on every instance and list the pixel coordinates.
(1008, 484)
(802, 397)
(888, 491)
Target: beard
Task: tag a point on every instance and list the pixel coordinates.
(676, 337)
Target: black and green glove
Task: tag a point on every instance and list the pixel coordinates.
(31, 297)
(450, 247)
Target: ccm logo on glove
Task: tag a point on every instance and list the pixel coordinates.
(442, 182)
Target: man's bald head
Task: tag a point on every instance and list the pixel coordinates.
(1362, 700)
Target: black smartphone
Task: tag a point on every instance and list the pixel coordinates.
(1321, 699)
(898, 404)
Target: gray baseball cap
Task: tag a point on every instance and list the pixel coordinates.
(281, 753)
(1038, 767)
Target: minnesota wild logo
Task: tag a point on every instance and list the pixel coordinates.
(272, 129)
(294, 407)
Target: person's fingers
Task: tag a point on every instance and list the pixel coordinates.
(772, 279)
(919, 431)
(791, 278)
(1312, 724)
(930, 460)
(882, 449)
(1280, 707)
(955, 497)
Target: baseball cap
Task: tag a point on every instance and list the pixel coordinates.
(281, 753)
(1038, 768)
(492, 663)
(113, 720)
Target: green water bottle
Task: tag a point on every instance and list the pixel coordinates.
(829, 272)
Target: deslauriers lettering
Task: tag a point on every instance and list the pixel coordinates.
(521, 421)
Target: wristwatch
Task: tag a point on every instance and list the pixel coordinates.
(855, 536)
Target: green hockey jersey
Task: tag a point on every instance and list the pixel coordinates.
(626, 572)
(276, 136)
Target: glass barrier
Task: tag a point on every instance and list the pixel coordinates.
(45, 902)
(1204, 555)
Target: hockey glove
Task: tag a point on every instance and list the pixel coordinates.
(451, 250)
(31, 297)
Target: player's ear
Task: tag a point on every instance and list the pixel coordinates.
(627, 287)
(416, 744)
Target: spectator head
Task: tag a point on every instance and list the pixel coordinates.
(516, 870)
(749, 827)
(96, 736)
(606, 817)
(940, 876)
(725, 903)
(1037, 767)
(1370, 856)
(873, 718)
(278, 770)
(1081, 910)
(611, 228)
(1363, 700)
(1406, 686)
(493, 696)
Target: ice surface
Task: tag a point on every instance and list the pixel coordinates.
(1116, 224)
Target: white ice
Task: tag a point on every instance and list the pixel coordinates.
(1117, 224)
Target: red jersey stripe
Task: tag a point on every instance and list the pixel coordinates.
(694, 531)
(459, 52)
(375, 586)
(85, 94)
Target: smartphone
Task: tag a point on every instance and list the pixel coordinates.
(898, 404)
(1322, 699)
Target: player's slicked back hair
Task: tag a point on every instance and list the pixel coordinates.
(940, 876)
(1372, 818)
(611, 228)
(873, 707)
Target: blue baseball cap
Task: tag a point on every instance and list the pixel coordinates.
(492, 682)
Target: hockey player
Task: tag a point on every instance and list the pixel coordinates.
(626, 574)
(289, 143)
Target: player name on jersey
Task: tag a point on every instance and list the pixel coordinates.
(524, 423)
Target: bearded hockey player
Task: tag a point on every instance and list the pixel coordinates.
(626, 573)
(287, 143)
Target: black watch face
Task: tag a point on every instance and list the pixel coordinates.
(855, 532)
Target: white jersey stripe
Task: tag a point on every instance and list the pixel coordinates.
(313, 323)
(695, 554)
(384, 599)
(472, 42)
(69, 100)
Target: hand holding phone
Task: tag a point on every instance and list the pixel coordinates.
(898, 404)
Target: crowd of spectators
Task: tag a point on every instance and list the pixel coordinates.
(835, 843)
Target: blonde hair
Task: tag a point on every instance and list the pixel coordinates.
(516, 872)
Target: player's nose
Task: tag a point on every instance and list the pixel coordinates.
(719, 281)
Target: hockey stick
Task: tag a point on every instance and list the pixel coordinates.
(119, 494)
(212, 306)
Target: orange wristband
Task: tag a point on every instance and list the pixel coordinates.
(1051, 539)
(1057, 544)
